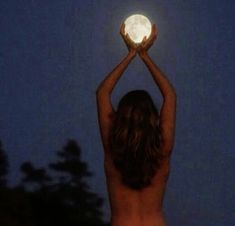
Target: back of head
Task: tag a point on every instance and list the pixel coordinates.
(135, 139)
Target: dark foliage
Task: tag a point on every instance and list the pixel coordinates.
(3, 166)
(61, 198)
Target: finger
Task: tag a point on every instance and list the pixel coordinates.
(130, 41)
(125, 39)
(128, 38)
(144, 39)
(122, 29)
(154, 32)
(143, 43)
(151, 41)
(155, 29)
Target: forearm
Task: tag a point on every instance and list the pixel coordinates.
(112, 78)
(160, 79)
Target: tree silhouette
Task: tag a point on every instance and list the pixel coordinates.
(64, 198)
(37, 177)
(15, 207)
(82, 205)
(60, 198)
(3, 166)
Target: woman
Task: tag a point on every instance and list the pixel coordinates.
(137, 142)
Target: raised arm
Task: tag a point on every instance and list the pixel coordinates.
(107, 85)
(168, 109)
(104, 90)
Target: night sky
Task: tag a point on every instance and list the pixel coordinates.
(54, 54)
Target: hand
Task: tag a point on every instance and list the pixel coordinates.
(132, 47)
(147, 43)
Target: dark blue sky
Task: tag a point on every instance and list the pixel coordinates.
(53, 55)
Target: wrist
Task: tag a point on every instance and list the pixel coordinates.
(143, 54)
(131, 54)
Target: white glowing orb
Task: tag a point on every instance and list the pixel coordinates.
(138, 26)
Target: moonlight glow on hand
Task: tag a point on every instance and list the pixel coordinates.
(138, 26)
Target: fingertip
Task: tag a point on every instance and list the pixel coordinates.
(123, 26)
(154, 27)
(143, 39)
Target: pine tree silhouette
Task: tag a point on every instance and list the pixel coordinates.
(15, 207)
(82, 206)
(3, 166)
(38, 177)
(64, 198)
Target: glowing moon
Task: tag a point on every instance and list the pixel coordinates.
(138, 26)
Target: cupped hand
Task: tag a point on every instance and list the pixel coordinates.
(147, 43)
(132, 47)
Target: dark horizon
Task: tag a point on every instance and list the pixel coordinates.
(53, 55)
(57, 195)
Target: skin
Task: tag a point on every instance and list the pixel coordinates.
(142, 207)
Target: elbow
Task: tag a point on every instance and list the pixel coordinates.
(99, 94)
(102, 91)
(170, 95)
(99, 90)
(173, 92)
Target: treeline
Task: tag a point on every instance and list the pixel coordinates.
(59, 198)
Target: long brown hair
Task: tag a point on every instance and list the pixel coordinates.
(135, 139)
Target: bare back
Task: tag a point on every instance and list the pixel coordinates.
(136, 207)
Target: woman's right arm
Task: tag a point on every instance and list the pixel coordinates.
(104, 90)
(168, 109)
